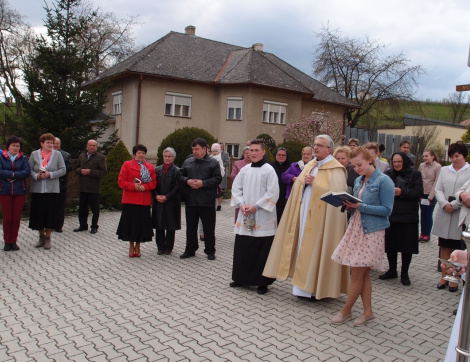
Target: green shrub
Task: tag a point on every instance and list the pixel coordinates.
(181, 140)
(269, 142)
(269, 155)
(294, 150)
(111, 193)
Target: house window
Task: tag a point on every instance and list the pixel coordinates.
(234, 108)
(274, 112)
(233, 149)
(178, 105)
(117, 103)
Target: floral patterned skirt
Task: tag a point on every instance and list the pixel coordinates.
(357, 249)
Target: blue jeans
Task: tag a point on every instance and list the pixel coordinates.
(426, 218)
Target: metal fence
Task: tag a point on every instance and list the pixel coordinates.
(391, 142)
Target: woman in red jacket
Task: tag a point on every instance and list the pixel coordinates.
(137, 178)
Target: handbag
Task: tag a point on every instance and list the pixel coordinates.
(220, 191)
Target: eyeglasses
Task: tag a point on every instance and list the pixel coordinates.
(320, 145)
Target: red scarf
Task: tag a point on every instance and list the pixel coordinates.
(45, 158)
(166, 167)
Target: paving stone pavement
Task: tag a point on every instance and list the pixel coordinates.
(86, 300)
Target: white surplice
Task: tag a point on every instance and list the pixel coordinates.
(257, 186)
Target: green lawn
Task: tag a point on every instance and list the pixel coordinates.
(437, 111)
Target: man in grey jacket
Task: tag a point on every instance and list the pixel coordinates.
(90, 168)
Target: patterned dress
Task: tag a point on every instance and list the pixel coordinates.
(357, 249)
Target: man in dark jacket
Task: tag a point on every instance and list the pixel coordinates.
(200, 175)
(63, 183)
(90, 168)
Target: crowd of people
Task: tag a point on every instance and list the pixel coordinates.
(283, 228)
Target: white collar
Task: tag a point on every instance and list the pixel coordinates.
(452, 169)
(325, 160)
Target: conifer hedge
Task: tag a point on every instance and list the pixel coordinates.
(111, 193)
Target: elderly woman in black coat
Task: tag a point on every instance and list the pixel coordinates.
(402, 235)
(166, 210)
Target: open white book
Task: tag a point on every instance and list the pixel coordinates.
(338, 198)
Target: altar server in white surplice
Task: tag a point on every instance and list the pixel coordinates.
(255, 191)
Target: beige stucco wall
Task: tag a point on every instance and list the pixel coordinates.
(208, 111)
(445, 132)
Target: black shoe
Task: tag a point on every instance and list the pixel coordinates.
(80, 229)
(308, 299)
(167, 252)
(235, 285)
(391, 274)
(186, 255)
(160, 252)
(93, 230)
(7, 247)
(219, 208)
(262, 289)
(211, 257)
(58, 230)
(453, 289)
(14, 247)
(442, 286)
(405, 280)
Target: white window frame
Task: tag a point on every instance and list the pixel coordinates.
(180, 104)
(230, 147)
(117, 102)
(447, 143)
(236, 105)
(274, 112)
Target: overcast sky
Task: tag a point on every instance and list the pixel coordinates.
(432, 33)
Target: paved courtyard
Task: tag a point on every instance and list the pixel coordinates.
(86, 300)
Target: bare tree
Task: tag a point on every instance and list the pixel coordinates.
(359, 70)
(109, 37)
(425, 138)
(16, 49)
(458, 104)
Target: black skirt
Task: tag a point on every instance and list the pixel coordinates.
(43, 211)
(452, 244)
(249, 258)
(135, 224)
(402, 237)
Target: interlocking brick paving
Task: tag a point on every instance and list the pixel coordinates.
(86, 300)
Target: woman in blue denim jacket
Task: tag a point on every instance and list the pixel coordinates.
(363, 244)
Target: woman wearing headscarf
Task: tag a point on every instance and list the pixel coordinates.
(47, 165)
(402, 235)
(166, 210)
(14, 170)
(280, 165)
(137, 179)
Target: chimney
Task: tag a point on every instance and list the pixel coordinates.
(190, 30)
(258, 47)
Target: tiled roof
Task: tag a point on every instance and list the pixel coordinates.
(188, 57)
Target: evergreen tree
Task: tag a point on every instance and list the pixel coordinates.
(111, 193)
(181, 140)
(56, 100)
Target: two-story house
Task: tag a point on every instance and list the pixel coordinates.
(234, 93)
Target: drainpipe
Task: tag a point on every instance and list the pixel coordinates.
(139, 96)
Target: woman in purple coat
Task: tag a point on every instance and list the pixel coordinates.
(296, 168)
